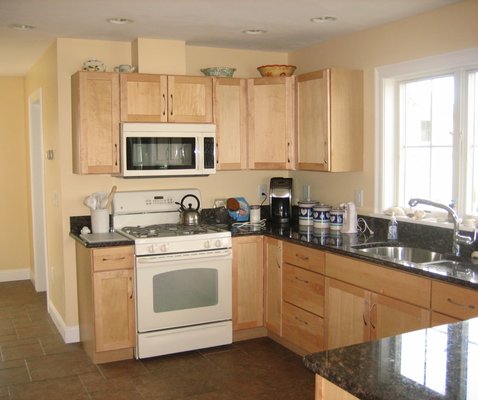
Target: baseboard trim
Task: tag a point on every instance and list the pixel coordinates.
(10, 275)
(70, 334)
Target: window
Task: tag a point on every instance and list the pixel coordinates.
(428, 120)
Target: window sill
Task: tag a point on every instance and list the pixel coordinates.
(430, 221)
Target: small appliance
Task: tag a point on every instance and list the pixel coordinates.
(350, 218)
(280, 200)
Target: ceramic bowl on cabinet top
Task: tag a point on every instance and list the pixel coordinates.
(218, 71)
(276, 70)
(94, 65)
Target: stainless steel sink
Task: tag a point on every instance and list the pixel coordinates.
(452, 268)
(400, 253)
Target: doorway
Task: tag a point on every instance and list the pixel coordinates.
(40, 270)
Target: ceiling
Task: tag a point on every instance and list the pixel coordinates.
(212, 23)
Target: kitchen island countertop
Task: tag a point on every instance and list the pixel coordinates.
(428, 364)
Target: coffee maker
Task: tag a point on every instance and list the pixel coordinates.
(280, 200)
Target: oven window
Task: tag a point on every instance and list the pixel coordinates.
(185, 289)
(152, 153)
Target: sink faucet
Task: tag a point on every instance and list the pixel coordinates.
(457, 238)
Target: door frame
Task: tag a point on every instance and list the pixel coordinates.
(37, 188)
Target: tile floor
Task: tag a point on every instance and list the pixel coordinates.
(36, 364)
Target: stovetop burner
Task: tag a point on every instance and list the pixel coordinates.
(168, 230)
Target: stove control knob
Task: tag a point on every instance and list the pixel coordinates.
(164, 248)
(207, 245)
(218, 243)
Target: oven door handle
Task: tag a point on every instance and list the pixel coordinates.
(226, 254)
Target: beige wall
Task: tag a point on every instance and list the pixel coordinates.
(15, 238)
(444, 30)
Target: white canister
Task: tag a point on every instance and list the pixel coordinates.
(336, 219)
(100, 221)
(321, 215)
(306, 209)
(255, 214)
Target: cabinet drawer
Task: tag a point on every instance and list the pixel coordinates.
(454, 301)
(305, 257)
(387, 281)
(303, 288)
(302, 328)
(110, 258)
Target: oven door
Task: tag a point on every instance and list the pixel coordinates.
(190, 289)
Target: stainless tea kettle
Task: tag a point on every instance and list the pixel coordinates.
(190, 215)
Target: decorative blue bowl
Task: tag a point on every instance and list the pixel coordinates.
(218, 71)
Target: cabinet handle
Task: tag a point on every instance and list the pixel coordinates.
(301, 280)
(288, 152)
(325, 162)
(278, 264)
(171, 112)
(217, 153)
(164, 104)
(371, 322)
(116, 154)
(130, 288)
(364, 320)
(302, 257)
(470, 306)
(113, 259)
(302, 321)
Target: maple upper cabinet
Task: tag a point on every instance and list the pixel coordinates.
(161, 98)
(330, 120)
(271, 123)
(230, 115)
(95, 122)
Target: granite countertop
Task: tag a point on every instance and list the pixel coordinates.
(433, 363)
(465, 274)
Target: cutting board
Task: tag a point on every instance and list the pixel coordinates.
(103, 237)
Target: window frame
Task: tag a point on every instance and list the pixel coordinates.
(386, 109)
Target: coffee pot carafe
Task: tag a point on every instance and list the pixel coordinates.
(280, 200)
(350, 218)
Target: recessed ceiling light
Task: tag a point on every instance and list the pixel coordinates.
(22, 27)
(325, 18)
(254, 31)
(119, 21)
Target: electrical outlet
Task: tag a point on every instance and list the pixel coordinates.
(263, 189)
(359, 197)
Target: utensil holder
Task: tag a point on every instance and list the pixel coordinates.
(100, 221)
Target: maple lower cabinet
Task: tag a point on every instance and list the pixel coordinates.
(303, 297)
(247, 278)
(365, 301)
(330, 120)
(106, 302)
(273, 285)
(95, 122)
(271, 130)
(162, 98)
(230, 115)
(452, 303)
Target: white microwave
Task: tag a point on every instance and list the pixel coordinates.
(162, 149)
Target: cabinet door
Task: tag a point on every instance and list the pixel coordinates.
(114, 309)
(390, 317)
(271, 123)
(247, 277)
(143, 98)
(230, 111)
(273, 285)
(313, 121)
(330, 120)
(190, 99)
(347, 318)
(95, 116)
